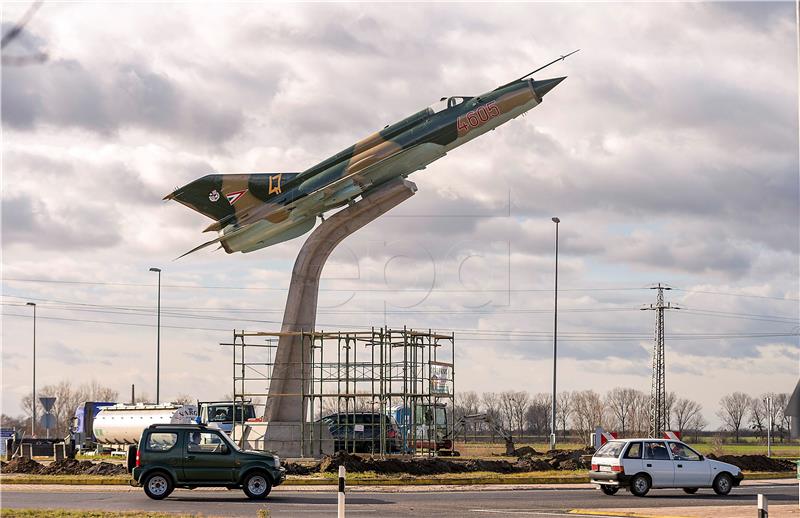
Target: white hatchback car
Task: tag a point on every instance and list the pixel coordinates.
(641, 464)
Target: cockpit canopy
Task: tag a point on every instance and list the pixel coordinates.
(447, 102)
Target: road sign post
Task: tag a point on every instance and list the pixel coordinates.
(48, 419)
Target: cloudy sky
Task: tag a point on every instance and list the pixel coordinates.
(670, 155)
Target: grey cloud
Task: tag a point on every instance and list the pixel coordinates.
(29, 222)
(65, 93)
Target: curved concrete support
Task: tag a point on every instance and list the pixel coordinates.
(285, 400)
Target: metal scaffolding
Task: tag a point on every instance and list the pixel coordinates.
(379, 391)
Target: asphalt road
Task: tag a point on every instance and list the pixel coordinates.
(462, 504)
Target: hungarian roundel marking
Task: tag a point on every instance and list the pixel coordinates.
(233, 197)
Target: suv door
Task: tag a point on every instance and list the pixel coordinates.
(207, 458)
(658, 464)
(690, 470)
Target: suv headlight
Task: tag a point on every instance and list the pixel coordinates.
(277, 461)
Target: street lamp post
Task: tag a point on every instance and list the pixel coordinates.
(158, 337)
(555, 346)
(33, 401)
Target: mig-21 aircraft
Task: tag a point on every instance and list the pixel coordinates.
(255, 210)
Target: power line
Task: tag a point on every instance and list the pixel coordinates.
(484, 335)
(174, 310)
(730, 294)
(344, 290)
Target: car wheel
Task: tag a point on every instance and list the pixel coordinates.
(690, 490)
(158, 485)
(640, 485)
(257, 485)
(723, 484)
(609, 490)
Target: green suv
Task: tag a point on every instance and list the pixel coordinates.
(193, 455)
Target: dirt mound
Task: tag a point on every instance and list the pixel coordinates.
(525, 451)
(106, 468)
(63, 467)
(66, 467)
(352, 463)
(530, 464)
(23, 465)
(293, 468)
(570, 459)
(420, 467)
(755, 462)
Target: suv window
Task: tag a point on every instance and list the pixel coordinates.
(656, 451)
(634, 451)
(161, 441)
(610, 449)
(205, 442)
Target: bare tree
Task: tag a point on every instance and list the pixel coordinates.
(669, 402)
(564, 409)
(696, 425)
(772, 411)
(513, 405)
(27, 405)
(66, 403)
(19, 423)
(142, 397)
(184, 399)
(640, 414)
(781, 419)
(466, 403)
(490, 402)
(537, 417)
(758, 415)
(621, 402)
(685, 411)
(94, 391)
(519, 405)
(589, 412)
(733, 409)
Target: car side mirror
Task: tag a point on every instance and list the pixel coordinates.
(702, 457)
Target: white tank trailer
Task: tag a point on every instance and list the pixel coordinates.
(123, 424)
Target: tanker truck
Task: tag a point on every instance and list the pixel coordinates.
(118, 426)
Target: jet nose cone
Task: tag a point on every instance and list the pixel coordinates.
(545, 85)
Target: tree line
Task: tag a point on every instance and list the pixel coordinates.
(68, 398)
(621, 409)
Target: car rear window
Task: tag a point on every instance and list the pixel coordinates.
(161, 441)
(610, 449)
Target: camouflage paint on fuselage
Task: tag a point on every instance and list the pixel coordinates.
(260, 209)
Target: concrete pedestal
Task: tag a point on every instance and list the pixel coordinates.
(285, 403)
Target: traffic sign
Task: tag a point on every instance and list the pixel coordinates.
(47, 403)
(49, 421)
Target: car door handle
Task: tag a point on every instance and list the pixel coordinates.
(680, 465)
(190, 457)
(649, 465)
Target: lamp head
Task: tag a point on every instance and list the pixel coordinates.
(155, 269)
(30, 304)
(556, 220)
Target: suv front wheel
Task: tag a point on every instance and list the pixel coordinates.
(257, 485)
(723, 484)
(158, 485)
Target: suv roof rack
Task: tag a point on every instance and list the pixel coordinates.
(177, 425)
